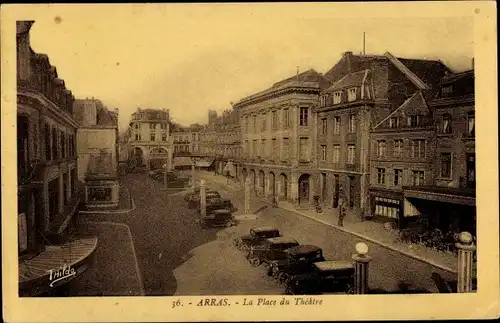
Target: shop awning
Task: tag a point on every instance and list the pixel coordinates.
(442, 194)
(55, 266)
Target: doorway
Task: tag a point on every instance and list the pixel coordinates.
(304, 188)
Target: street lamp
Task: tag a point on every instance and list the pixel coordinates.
(165, 174)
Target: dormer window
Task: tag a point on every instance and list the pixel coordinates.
(351, 94)
(414, 121)
(394, 122)
(447, 123)
(337, 96)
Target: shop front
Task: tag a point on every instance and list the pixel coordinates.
(387, 206)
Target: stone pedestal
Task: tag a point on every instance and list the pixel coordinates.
(466, 250)
(203, 199)
(247, 211)
(361, 268)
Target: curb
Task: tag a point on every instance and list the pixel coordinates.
(387, 246)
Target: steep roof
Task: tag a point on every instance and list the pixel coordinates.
(414, 105)
(452, 78)
(350, 80)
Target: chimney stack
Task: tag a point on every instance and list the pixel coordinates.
(348, 56)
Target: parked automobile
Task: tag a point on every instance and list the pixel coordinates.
(328, 276)
(158, 174)
(218, 218)
(189, 195)
(215, 204)
(257, 236)
(194, 202)
(298, 261)
(270, 250)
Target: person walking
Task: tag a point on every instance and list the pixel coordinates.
(342, 208)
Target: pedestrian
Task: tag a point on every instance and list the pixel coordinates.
(342, 211)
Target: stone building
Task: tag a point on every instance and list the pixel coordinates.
(149, 142)
(48, 190)
(97, 151)
(278, 128)
(366, 90)
(448, 201)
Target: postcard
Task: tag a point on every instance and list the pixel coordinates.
(249, 161)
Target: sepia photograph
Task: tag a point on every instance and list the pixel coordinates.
(250, 156)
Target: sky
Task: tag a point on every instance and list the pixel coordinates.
(190, 58)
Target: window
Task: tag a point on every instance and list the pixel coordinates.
(254, 148)
(48, 139)
(263, 150)
(264, 122)
(337, 97)
(417, 177)
(471, 170)
(398, 148)
(381, 148)
(286, 117)
(164, 136)
(152, 126)
(324, 126)
(152, 136)
(351, 154)
(323, 152)
(414, 121)
(336, 153)
(394, 122)
(55, 151)
(352, 123)
(137, 126)
(398, 177)
(322, 101)
(351, 94)
(381, 176)
(246, 149)
(274, 120)
(418, 148)
(304, 116)
(304, 149)
(286, 148)
(62, 139)
(336, 125)
(275, 148)
(445, 165)
(246, 124)
(254, 123)
(471, 120)
(447, 123)
(138, 137)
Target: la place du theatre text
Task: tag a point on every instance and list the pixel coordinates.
(257, 301)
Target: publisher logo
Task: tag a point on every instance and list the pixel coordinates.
(56, 275)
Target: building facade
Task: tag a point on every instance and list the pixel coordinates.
(48, 190)
(352, 114)
(448, 202)
(278, 128)
(149, 142)
(97, 151)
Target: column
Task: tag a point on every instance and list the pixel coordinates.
(361, 262)
(466, 250)
(203, 201)
(248, 195)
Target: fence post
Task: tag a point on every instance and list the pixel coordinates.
(203, 199)
(466, 250)
(361, 266)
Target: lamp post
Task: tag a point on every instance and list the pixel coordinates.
(165, 179)
(361, 262)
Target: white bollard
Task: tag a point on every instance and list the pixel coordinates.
(466, 250)
(361, 262)
(203, 199)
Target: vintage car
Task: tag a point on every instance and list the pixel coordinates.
(194, 202)
(196, 192)
(257, 236)
(219, 204)
(218, 218)
(299, 261)
(330, 276)
(271, 249)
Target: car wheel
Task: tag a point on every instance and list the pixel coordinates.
(255, 262)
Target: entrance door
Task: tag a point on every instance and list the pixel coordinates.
(336, 190)
(304, 188)
(471, 170)
(351, 191)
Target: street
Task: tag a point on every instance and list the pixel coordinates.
(177, 257)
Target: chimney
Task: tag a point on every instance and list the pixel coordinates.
(116, 111)
(348, 56)
(472, 62)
